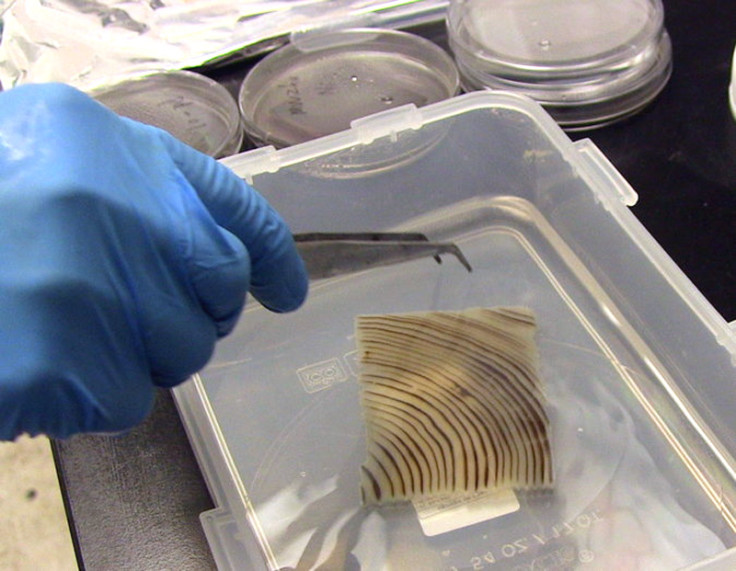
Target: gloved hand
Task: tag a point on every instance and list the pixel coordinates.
(124, 255)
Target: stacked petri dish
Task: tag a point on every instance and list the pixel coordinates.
(192, 107)
(588, 62)
(319, 82)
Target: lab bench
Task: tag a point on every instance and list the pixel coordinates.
(134, 500)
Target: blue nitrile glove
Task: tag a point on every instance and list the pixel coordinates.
(124, 255)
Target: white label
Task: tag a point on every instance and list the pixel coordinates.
(450, 512)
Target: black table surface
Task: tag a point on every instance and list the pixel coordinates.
(133, 501)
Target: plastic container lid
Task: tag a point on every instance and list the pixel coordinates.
(195, 109)
(588, 62)
(323, 80)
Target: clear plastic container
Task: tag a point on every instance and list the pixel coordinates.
(639, 370)
(588, 62)
(190, 106)
(322, 80)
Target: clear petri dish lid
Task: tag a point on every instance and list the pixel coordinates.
(323, 80)
(587, 61)
(554, 37)
(195, 109)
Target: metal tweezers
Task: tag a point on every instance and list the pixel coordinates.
(329, 254)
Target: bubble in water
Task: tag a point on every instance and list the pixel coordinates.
(387, 99)
(353, 78)
(545, 44)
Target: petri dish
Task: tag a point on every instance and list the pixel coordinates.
(319, 82)
(588, 62)
(195, 109)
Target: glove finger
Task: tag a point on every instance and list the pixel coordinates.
(220, 273)
(278, 277)
(180, 342)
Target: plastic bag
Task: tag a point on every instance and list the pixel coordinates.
(91, 44)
